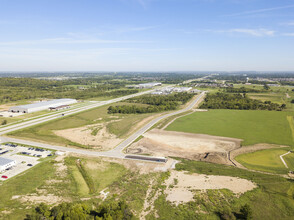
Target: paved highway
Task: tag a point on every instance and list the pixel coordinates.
(116, 152)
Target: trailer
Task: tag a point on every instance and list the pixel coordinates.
(147, 158)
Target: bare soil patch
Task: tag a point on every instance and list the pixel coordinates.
(186, 145)
(102, 140)
(37, 199)
(6, 107)
(182, 190)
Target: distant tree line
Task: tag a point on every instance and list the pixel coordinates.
(114, 210)
(15, 89)
(242, 90)
(156, 103)
(238, 101)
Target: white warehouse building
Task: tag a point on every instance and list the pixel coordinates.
(6, 163)
(42, 105)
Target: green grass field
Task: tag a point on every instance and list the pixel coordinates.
(25, 183)
(251, 126)
(264, 160)
(99, 175)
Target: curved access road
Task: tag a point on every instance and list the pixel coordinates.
(145, 128)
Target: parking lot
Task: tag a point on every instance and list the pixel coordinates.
(25, 158)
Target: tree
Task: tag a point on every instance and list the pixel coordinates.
(266, 87)
(227, 214)
(4, 122)
(246, 212)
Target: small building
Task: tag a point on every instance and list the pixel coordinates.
(182, 89)
(6, 163)
(149, 85)
(40, 106)
(59, 153)
(59, 108)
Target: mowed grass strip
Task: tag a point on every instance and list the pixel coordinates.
(94, 176)
(264, 160)
(289, 159)
(252, 126)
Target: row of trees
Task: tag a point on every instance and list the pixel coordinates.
(158, 100)
(242, 90)
(133, 109)
(156, 103)
(109, 211)
(238, 101)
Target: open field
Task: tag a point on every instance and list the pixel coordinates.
(26, 183)
(264, 160)
(273, 199)
(70, 179)
(251, 126)
(87, 124)
(148, 192)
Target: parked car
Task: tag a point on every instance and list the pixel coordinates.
(4, 177)
(30, 165)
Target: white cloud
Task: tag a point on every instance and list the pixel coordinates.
(291, 23)
(67, 41)
(260, 32)
(254, 32)
(288, 34)
(260, 10)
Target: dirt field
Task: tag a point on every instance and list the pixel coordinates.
(102, 140)
(186, 145)
(181, 192)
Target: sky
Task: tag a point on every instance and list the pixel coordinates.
(147, 35)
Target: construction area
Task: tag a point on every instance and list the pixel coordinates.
(199, 147)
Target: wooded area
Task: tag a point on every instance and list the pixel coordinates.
(15, 89)
(238, 101)
(157, 103)
(108, 211)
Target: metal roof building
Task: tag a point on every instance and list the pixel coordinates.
(6, 163)
(42, 105)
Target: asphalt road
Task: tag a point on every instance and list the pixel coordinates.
(117, 151)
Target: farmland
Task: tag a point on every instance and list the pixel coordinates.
(251, 126)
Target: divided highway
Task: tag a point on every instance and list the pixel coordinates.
(40, 120)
